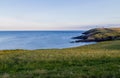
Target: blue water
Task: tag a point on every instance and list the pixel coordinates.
(38, 39)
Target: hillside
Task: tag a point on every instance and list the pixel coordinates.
(101, 60)
(99, 34)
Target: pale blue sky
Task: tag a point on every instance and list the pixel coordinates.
(58, 14)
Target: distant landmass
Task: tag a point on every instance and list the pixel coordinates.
(98, 35)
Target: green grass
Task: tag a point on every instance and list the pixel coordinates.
(101, 60)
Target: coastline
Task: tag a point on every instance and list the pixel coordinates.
(95, 60)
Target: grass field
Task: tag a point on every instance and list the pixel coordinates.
(101, 60)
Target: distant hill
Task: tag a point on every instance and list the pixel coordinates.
(99, 34)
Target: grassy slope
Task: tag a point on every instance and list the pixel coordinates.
(100, 60)
(116, 29)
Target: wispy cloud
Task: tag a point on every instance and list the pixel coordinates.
(86, 27)
(28, 24)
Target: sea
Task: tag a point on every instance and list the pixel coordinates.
(31, 40)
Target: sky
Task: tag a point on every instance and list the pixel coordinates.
(58, 14)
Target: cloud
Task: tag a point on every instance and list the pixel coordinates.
(86, 27)
(28, 24)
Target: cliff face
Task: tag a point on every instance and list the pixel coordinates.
(99, 34)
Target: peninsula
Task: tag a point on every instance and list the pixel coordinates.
(99, 34)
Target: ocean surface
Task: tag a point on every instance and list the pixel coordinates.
(38, 39)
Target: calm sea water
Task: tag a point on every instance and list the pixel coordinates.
(38, 39)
